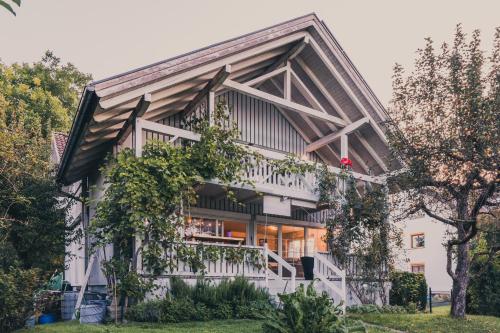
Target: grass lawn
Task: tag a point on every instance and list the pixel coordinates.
(223, 326)
(438, 321)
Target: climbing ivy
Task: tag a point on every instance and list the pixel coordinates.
(146, 196)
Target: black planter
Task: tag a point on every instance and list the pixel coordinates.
(308, 265)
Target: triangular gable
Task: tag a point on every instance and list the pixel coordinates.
(172, 84)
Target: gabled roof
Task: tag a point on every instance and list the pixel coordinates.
(340, 90)
(59, 141)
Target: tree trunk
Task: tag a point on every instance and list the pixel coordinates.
(460, 281)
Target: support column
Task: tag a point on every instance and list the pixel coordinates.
(280, 248)
(287, 89)
(344, 150)
(307, 252)
(138, 137)
(211, 106)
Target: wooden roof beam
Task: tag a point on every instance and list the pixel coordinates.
(335, 135)
(266, 76)
(289, 55)
(307, 111)
(138, 112)
(327, 94)
(211, 86)
(309, 96)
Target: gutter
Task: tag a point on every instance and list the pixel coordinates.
(85, 110)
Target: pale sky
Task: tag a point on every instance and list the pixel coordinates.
(107, 37)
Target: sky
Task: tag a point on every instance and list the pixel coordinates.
(108, 37)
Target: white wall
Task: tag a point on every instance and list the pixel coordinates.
(75, 259)
(433, 255)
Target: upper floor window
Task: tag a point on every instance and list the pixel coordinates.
(417, 241)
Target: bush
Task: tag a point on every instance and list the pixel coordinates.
(408, 288)
(483, 292)
(306, 311)
(372, 308)
(236, 298)
(17, 288)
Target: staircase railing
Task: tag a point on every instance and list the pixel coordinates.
(281, 263)
(328, 273)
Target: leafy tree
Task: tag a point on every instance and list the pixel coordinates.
(34, 100)
(483, 292)
(8, 6)
(445, 121)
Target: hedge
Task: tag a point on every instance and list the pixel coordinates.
(408, 288)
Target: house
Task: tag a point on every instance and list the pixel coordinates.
(424, 251)
(292, 90)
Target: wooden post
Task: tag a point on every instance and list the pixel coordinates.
(280, 249)
(430, 300)
(287, 88)
(211, 107)
(344, 150)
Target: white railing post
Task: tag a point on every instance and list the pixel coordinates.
(344, 291)
(266, 268)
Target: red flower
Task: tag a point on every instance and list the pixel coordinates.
(346, 162)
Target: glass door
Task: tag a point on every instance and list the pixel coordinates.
(293, 246)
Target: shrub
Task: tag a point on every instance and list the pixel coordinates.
(372, 308)
(17, 288)
(306, 311)
(483, 292)
(408, 288)
(146, 312)
(236, 298)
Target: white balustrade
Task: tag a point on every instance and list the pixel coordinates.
(222, 267)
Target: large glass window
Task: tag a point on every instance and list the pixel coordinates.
(214, 230)
(316, 240)
(293, 242)
(235, 230)
(268, 234)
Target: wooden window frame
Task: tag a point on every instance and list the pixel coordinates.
(417, 264)
(412, 245)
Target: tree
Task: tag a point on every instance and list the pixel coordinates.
(445, 129)
(8, 6)
(34, 100)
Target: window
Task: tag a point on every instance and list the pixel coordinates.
(418, 268)
(417, 241)
(213, 230)
(316, 240)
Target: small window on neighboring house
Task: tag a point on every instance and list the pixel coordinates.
(418, 268)
(417, 241)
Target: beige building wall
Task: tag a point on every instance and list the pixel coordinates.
(431, 256)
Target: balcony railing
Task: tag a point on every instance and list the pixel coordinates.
(263, 174)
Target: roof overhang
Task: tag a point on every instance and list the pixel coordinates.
(324, 68)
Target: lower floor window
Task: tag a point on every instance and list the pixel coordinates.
(418, 268)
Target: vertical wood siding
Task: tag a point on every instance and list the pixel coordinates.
(259, 123)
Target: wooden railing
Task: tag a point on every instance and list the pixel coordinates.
(266, 179)
(351, 266)
(220, 268)
(282, 263)
(332, 277)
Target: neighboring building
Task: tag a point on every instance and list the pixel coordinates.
(293, 90)
(424, 252)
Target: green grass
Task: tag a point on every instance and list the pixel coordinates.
(437, 322)
(223, 326)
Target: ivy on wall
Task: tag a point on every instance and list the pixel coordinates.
(142, 211)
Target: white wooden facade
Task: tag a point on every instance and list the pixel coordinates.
(292, 90)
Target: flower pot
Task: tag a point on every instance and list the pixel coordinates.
(46, 318)
(308, 265)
